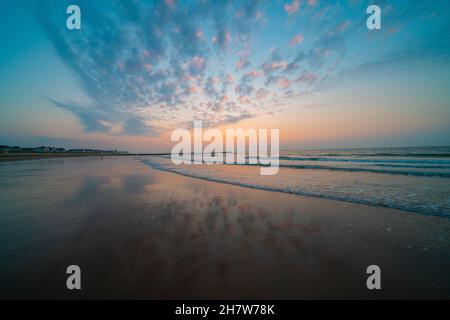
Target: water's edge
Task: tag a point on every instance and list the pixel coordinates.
(295, 192)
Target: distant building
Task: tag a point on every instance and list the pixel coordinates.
(5, 149)
(42, 149)
(48, 149)
(85, 151)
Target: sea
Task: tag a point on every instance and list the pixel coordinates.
(413, 179)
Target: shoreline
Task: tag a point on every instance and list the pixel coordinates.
(255, 186)
(144, 233)
(334, 239)
(39, 156)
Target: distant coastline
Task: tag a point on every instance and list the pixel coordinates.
(11, 153)
(20, 153)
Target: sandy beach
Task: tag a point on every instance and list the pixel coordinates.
(224, 150)
(141, 233)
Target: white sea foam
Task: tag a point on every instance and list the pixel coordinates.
(416, 180)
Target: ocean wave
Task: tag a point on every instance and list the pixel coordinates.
(413, 166)
(358, 160)
(431, 209)
(381, 171)
(406, 155)
(441, 174)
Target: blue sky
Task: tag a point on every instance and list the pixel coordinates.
(139, 69)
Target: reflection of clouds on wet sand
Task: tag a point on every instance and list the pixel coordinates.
(137, 232)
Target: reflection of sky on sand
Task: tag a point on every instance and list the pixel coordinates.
(137, 232)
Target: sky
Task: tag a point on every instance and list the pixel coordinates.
(137, 70)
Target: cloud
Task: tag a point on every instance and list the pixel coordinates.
(145, 60)
(66, 143)
(244, 100)
(328, 104)
(307, 78)
(283, 83)
(149, 66)
(296, 40)
(412, 54)
(91, 118)
(244, 89)
(292, 7)
(250, 76)
(262, 93)
(170, 3)
(94, 120)
(273, 63)
(243, 61)
(135, 127)
(235, 119)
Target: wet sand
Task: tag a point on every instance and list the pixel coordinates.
(141, 233)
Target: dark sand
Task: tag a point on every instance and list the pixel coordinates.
(141, 233)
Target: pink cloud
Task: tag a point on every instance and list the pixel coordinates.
(243, 62)
(292, 7)
(244, 100)
(268, 67)
(296, 40)
(148, 67)
(279, 65)
(222, 42)
(190, 78)
(214, 80)
(170, 3)
(195, 89)
(262, 93)
(283, 83)
(254, 74)
(343, 26)
(146, 54)
(199, 34)
(393, 29)
(227, 37)
(198, 62)
(312, 3)
(224, 99)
